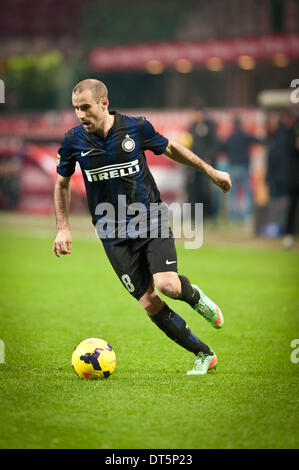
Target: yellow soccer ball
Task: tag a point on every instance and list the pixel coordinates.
(94, 358)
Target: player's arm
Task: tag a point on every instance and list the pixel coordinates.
(181, 154)
(62, 197)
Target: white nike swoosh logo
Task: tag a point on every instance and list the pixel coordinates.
(85, 153)
(170, 262)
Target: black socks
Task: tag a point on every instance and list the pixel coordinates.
(188, 294)
(176, 329)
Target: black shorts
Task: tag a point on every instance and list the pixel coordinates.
(136, 260)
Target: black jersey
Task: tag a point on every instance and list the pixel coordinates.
(114, 168)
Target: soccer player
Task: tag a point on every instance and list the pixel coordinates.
(110, 150)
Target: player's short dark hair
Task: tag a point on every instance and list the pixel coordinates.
(97, 88)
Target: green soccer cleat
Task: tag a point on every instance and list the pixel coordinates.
(203, 364)
(208, 309)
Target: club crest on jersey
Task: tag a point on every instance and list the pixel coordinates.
(128, 144)
(58, 159)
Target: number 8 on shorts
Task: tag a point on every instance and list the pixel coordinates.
(128, 283)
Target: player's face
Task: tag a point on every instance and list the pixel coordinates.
(90, 111)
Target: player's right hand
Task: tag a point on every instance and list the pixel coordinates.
(63, 243)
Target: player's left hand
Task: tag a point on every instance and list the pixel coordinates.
(222, 179)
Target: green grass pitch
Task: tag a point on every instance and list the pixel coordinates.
(49, 305)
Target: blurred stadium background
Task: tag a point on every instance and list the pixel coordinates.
(159, 59)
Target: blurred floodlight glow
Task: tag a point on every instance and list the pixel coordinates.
(183, 65)
(155, 67)
(214, 64)
(280, 60)
(246, 62)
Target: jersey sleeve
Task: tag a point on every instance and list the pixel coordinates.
(152, 140)
(66, 163)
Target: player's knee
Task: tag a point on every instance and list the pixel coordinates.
(169, 288)
(151, 302)
(169, 284)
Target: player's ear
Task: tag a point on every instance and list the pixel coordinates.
(104, 103)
